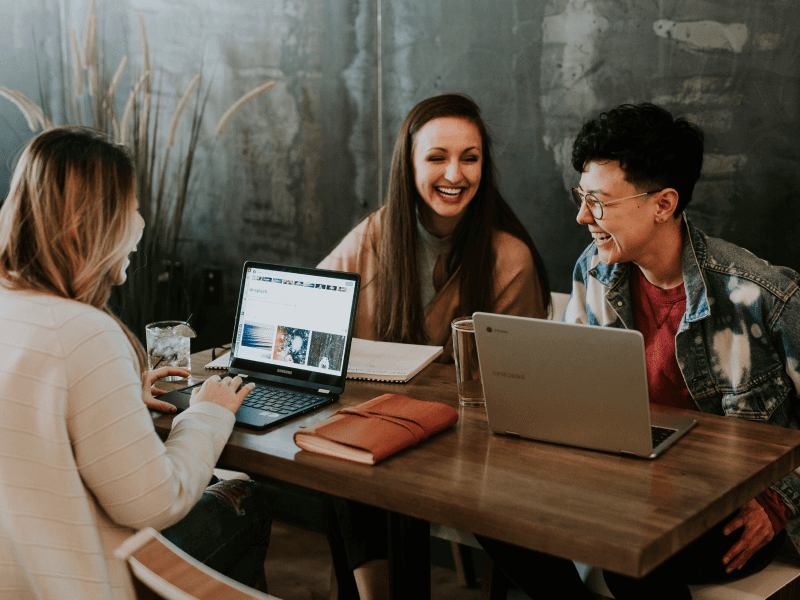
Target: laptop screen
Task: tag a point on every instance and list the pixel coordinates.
(295, 322)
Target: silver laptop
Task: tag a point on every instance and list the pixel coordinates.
(578, 385)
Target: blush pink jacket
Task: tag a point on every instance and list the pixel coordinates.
(516, 284)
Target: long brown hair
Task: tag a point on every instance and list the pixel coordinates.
(65, 227)
(400, 314)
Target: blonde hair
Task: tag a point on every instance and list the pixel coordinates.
(65, 227)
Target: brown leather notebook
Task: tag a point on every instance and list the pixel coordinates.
(371, 431)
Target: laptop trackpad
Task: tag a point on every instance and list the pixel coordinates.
(250, 416)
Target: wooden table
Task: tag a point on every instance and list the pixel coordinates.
(619, 513)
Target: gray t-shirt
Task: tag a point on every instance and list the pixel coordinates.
(429, 249)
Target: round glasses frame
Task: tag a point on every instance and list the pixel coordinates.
(594, 205)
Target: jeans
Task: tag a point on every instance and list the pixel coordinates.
(227, 530)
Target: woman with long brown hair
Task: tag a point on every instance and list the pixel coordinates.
(81, 465)
(445, 243)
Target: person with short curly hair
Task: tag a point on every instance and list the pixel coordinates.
(721, 331)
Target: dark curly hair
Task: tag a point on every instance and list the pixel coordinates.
(654, 149)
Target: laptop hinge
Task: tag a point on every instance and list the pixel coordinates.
(321, 391)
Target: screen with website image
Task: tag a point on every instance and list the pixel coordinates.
(294, 318)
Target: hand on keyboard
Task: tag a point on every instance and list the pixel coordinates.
(226, 392)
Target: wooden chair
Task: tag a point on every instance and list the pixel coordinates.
(161, 570)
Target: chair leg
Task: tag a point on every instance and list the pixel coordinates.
(495, 583)
(261, 584)
(465, 567)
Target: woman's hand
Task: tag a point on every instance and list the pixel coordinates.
(226, 392)
(149, 392)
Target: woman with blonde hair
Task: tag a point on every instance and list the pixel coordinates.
(81, 465)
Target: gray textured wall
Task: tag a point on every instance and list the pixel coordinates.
(300, 165)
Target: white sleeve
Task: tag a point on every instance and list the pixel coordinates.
(138, 480)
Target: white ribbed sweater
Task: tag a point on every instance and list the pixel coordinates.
(81, 466)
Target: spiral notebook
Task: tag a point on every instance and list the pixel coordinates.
(388, 361)
(376, 361)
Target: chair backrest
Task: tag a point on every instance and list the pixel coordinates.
(163, 570)
(559, 301)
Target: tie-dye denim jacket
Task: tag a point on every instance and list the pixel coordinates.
(738, 344)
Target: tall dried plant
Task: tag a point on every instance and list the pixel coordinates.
(153, 290)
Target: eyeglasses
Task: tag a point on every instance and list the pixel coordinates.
(594, 205)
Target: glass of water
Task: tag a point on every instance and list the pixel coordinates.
(468, 371)
(168, 345)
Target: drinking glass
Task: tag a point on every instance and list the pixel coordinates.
(465, 353)
(168, 345)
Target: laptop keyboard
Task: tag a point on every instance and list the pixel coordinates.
(278, 400)
(660, 434)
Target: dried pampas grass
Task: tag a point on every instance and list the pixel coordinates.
(163, 182)
(176, 116)
(77, 61)
(145, 48)
(87, 26)
(127, 114)
(239, 104)
(112, 88)
(23, 107)
(91, 59)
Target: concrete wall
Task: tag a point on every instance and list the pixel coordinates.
(300, 165)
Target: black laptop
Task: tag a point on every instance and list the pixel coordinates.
(294, 327)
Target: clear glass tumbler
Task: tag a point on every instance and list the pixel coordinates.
(168, 346)
(465, 354)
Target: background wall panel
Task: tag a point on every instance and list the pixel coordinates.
(299, 166)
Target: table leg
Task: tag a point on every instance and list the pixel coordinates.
(409, 558)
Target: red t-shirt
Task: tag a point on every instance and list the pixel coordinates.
(657, 315)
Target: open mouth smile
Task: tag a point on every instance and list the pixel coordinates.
(601, 239)
(449, 193)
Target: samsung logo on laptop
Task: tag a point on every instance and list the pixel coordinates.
(284, 371)
(509, 375)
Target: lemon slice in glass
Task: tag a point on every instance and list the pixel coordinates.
(184, 330)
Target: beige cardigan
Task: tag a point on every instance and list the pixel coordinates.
(516, 285)
(81, 466)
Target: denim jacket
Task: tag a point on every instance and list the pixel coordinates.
(738, 344)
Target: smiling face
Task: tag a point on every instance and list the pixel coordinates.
(627, 231)
(448, 158)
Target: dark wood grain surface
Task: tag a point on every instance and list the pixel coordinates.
(619, 513)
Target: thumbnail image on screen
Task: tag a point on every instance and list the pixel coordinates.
(327, 350)
(291, 345)
(255, 336)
